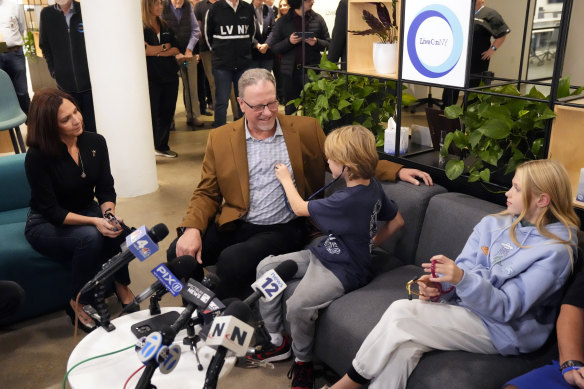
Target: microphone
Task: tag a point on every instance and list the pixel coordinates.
(180, 268)
(197, 296)
(140, 243)
(272, 282)
(228, 332)
(154, 350)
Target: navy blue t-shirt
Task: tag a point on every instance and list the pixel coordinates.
(349, 218)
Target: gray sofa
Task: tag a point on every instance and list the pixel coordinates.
(437, 222)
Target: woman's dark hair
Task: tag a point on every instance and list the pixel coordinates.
(295, 4)
(43, 122)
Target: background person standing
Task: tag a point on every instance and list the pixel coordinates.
(229, 29)
(12, 28)
(181, 19)
(62, 40)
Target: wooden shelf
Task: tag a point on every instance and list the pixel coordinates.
(360, 48)
(564, 144)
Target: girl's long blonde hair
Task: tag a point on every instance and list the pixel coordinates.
(549, 177)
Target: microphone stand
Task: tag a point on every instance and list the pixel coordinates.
(147, 374)
(215, 368)
(154, 303)
(100, 313)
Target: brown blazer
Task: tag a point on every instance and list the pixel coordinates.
(223, 193)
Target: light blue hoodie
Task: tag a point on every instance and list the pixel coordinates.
(515, 291)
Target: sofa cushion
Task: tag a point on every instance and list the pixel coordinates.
(13, 216)
(343, 326)
(47, 282)
(449, 221)
(14, 191)
(463, 370)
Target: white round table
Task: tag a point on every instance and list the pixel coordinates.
(112, 371)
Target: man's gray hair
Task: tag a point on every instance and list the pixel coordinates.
(253, 77)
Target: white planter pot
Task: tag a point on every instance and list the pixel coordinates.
(385, 57)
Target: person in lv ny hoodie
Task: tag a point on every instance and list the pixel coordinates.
(500, 295)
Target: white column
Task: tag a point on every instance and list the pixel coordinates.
(117, 66)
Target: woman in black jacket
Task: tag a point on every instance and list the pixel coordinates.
(284, 40)
(161, 49)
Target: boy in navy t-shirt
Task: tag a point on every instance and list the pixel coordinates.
(341, 262)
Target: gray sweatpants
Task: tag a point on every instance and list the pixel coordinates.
(318, 288)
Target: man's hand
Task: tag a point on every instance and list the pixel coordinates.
(282, 172)
(487, 55)
(263, 48)
(188, 55)
(409, 175)
(190, 243)
(180, 58)
(575, 378)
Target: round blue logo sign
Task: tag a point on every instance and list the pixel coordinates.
(435, 71)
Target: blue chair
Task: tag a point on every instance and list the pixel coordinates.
(11, 116)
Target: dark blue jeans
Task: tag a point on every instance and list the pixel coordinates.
(14, 64)
(84, 246)
(223, 80)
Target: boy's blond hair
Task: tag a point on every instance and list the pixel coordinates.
(354, 147)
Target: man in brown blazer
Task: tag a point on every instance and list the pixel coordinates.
(238, 214)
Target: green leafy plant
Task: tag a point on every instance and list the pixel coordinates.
(500, 132)
(336, 99)
(384, 26)
(29, 46)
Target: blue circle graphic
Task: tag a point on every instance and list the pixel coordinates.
(449, 17)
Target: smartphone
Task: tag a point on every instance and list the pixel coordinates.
(155, 323)
(305, 34)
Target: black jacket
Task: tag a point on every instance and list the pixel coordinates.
(279, 40)
(338, 46)
(161, 69)
(64, 48)
(229, 34)
(261, 36)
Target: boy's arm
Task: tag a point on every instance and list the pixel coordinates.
(388, 229)
(297, 203)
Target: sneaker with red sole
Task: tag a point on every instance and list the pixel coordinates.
(302, 375)
(270, 353)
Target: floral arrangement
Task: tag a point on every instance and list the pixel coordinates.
(384, 26)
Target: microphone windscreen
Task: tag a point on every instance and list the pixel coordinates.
(239, 310)
(286, 270)
(158, 232)
(182, 267)
(210, 280)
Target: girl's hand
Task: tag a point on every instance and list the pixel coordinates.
(106, 228)
(282, 172)
(444, 268)
(428, 289)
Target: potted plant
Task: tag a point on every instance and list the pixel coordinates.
(39, 71)
(385, 51)
(337, 99)
(499, 134)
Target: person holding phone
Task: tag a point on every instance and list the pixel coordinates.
(298, 45)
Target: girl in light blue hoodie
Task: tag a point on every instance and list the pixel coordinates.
(499, 296)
